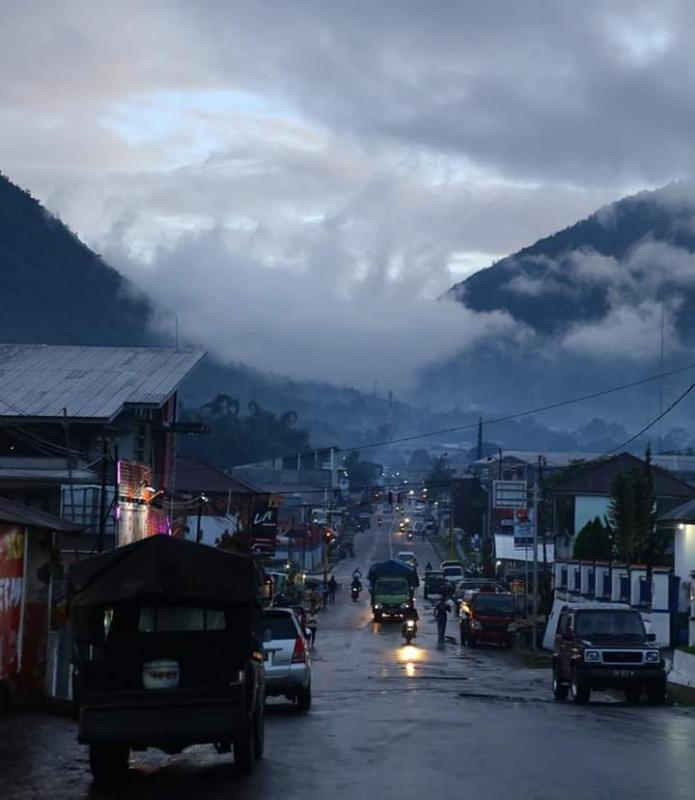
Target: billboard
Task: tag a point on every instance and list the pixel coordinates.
(264, 529)
(509, 494)
(12, 543)
(523, 528)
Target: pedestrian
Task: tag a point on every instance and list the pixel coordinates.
(312, 623)
(428, 566)
(441, 609)
(332, 586)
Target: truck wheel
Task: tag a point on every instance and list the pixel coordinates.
(579, 689)
(304, 699)
(560, 689)
(108, 763)
(656, 692)
(632, 694)
(245, 749)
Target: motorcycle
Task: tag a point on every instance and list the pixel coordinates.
(409, 630)
(355, 593)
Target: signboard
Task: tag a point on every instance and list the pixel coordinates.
(509, 494)
(523, 528)
(11, 594)
(264, 529)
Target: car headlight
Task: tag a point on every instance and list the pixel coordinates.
(405, 605)
(592, 655)
(652, 656)
(378, 606)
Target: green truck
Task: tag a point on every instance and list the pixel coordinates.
(391, 587)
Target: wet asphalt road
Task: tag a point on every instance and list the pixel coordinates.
(394, 722)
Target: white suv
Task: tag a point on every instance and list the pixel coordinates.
(287, 658)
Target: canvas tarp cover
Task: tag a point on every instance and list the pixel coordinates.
(393, 567)
(163, 566)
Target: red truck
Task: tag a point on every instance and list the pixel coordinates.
(487, 617)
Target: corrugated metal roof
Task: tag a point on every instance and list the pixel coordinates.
(19, 514)
(90, 382)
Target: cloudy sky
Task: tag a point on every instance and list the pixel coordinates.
(306, 177)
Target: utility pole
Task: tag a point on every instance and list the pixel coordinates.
(535, 557)
(199, 528)
(102, 496)
(479, 451)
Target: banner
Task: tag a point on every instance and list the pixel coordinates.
(11, 593)
(523, 528)
(264, 529)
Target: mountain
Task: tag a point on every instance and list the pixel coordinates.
(606, 301)
(54, 288)
(568, 278)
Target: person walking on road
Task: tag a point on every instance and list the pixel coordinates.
(332, 586)
(441, 609)
(312, 623)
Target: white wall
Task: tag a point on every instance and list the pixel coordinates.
(684, 551)
(587, 508)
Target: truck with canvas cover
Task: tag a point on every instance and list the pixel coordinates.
(391, 587)
(167, 652)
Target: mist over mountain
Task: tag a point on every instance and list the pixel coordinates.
(602, 302)
(561, 296)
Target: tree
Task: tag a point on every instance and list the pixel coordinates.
(593, 542)
(361, 474)
(632, 517)
(420, 458)
(621, 516)
(439, 480)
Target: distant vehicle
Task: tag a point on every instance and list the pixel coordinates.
(391, 586)
(453, 573)
(407, 557)
(433, 584)
(483, 584)
(487, 617)
(451, 564)
(287, 659)
(599, 647)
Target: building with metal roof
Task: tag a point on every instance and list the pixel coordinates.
(55, 382)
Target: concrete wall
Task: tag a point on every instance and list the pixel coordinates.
(587, 508)
(652, 604)
(684, 551)
(683, 669)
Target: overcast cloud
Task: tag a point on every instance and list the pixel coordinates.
(272, 169)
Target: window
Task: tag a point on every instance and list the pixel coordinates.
(179, 619)
(278, 626)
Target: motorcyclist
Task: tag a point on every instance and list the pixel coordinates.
(356, 582)
(356, 573)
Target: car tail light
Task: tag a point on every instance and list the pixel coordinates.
(299, 654)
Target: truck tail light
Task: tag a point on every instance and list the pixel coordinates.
(299, 653)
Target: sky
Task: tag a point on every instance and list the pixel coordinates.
(301, 181)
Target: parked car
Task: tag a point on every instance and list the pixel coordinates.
(433, 584)
(286, 657)
(487, 617)
(602, 647)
